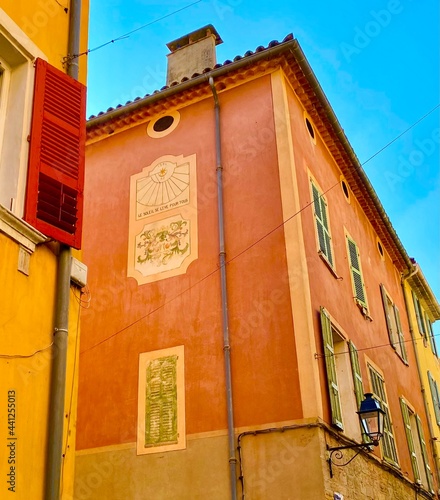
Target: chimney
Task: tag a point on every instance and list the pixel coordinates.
(192, 53)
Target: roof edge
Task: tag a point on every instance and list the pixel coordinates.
(288, 42)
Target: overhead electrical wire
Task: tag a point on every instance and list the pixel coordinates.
(248, 247)
(127, 35)
(403, 133)
(412, 341)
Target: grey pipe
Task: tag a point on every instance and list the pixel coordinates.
(224, 298)
(61, 325)
(58, 377)
(74, 38)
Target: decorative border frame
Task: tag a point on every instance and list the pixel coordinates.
(144, 359)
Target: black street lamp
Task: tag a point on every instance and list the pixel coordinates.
(371, 417)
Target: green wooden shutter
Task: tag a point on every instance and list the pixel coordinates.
(387, 442)
(430, 334)
(400, 333)
(357, 382)
(435, 397)
(328, 249)
(410, 439)
(425, 454)
(355, 267)
(322, 226)
(418, 310)
(388, 313)
(357, 376)
(161, 402)
(329, 354)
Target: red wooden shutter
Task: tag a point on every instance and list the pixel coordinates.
(54, 196)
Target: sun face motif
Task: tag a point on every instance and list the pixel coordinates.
(163, 184)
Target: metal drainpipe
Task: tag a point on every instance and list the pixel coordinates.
(225, 314)
(59, 360)
(412, 272)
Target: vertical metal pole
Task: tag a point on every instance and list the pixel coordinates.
(224, 298)
(58, 377)
(59, 360)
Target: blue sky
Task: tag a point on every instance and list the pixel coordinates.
(377, 61)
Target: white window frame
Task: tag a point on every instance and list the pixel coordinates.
(345, 390)
(17, 51)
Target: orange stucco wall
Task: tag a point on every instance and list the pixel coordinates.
(335, 292)
(126, 319)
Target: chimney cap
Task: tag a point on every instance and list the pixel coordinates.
(195, 36)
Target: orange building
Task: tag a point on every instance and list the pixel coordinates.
(246, 293)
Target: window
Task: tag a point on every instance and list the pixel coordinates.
(17, 53)
(54, 192)
(322, 225)
(356, 273)
(394, 326)
(5, 74)
(416, 446)
(161, 403)
(388, 444)
(164, 125)
(424, 324)
(430, 334)
(345, 391)
(435, 397)
(419, 315)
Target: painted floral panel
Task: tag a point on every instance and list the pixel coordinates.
(162, 246)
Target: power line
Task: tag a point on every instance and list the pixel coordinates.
(400, 135)
(127, 35)
(248, 247)
(413, 341)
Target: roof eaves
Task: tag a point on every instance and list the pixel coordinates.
(274, 48)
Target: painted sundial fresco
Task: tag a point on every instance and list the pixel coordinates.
(163, 219)
(165, 187)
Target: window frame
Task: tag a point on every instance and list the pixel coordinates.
(418, 454)
(397, 338)
(430, 334)
(419, 316)
(362, 302)
(345, 394)
(18, 53)
(322, 224)
(435, 396)
(145, 361)
(388, 441)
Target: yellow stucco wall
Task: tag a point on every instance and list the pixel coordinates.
(46, 23)
(427, 361)
(26, 334)
(28, 303)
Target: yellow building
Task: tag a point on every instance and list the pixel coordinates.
(40, 219)
(423, 309)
